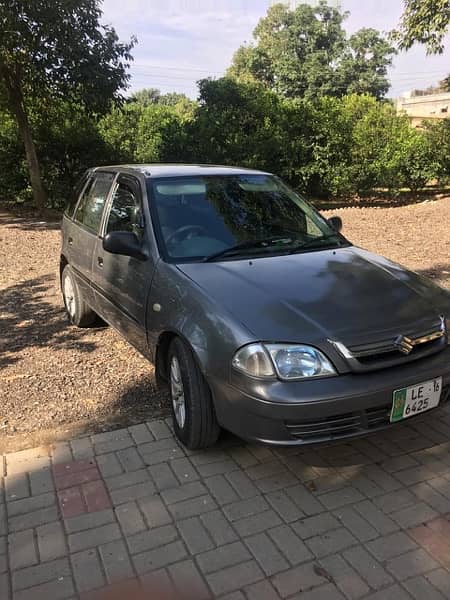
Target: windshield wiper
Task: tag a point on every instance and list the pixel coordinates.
(270, 243)
(314, 241)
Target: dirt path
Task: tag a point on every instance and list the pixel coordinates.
(57, 381)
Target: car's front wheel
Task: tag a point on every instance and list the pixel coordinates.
(78, 312)
(193, 413)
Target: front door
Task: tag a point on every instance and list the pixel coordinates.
(122, 283)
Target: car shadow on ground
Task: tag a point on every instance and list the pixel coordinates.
(28, 319)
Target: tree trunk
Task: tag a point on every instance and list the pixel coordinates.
(17, 107)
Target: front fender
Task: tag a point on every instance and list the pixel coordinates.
(179, 306)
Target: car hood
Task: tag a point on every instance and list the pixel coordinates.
(344, 294)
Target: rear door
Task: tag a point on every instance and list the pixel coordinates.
(82, 233)
(122, 283)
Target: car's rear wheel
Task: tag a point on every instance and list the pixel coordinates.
(194, 417)
(78, 312)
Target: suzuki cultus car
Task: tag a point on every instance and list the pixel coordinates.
(261, 316)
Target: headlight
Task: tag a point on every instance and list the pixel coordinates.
(253, 360)
(288, 361)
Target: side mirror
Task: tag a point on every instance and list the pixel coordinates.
(336, 223)
(125, 243)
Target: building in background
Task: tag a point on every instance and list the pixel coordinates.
(420, 108)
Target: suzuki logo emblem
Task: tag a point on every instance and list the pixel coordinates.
(404, 344)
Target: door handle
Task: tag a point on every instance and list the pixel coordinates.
(70, 241)
(100, 261)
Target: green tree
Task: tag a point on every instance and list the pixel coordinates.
(236, 123)
(57, 50)
(425, 22)
(146, 96)
(305, 53)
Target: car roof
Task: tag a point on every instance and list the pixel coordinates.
(153, 170)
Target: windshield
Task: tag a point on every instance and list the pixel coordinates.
(234, 216)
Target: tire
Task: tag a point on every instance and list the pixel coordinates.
(199, 428)
(78, 312)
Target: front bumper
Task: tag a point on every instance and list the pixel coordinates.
(321, 410)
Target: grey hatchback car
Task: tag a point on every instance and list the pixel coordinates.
(261, 316)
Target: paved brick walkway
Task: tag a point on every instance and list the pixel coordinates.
(365, 519)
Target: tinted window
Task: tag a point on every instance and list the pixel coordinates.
(90, 207)
(75, 195)
(198, 217)
(125, 214)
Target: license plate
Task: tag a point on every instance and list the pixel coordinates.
(416, 399)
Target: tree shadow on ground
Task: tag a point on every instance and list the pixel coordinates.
(28, 319)
(29, 223)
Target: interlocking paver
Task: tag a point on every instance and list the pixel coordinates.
(150, 539)
(188, 580)
(130, 518)
(263, 590)
(57, 589)
(331, 542)
(235, 577)
(163, 476)
(109, 465)
(221, 490)
(184, 470)
(154, 511)
(239, 522)
(382, 523)
(192, 507)
(130, 459)
(266, 553)
(87, 570)
(88, 521)
(284, 506)
(116, 562)
(257, 523)
(369, 569)
(412, 563)
(344, 577)
(195, 536)
(22, 549)
(242, 484)
(133, 492)
(441, 580)
(316, 525)
(222, 557)
(41, 573)
(140, 433)
(392, 545)
(359, 527)
(290, 545)
(218, 528)
(306, 501)
(421, 588)
(160, 557)
(93, 537)
(51, 541)
(299, 579)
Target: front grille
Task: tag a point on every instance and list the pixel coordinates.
(347, 424)
(384, 352)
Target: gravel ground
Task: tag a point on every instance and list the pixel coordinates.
(57, 381)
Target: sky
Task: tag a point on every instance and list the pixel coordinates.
(181, 41)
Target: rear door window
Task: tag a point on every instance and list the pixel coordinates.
(92, 202)
(70, 207)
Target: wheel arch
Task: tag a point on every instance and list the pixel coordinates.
(162, 352)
